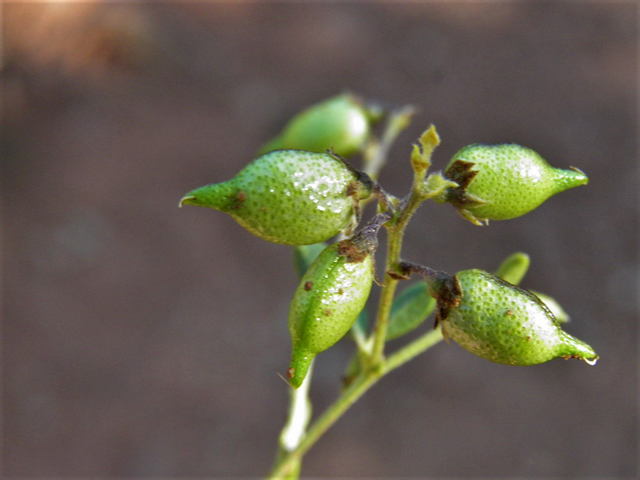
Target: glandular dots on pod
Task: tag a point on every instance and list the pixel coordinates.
(500, 182)
(289, 197)
(506, 324)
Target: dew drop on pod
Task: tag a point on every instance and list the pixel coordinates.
(500, 182)
(341, 123)
(330, 296)
(500, 322)
(289, 197)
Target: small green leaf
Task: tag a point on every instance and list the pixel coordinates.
(304, 255)
(421, 155)
(410, 310)
(416, 158)
(513, 268)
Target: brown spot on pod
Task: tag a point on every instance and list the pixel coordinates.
(291, 372)
(308, 286)
(238, 200)
(328, 312)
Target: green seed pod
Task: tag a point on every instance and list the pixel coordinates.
(500, 182)
(330, 296)
(288, 196)
(506, 324)
(341, 123)
(326, 304)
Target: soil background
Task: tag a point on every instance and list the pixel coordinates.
(144, 340)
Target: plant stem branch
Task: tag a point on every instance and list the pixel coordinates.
(397, 122)
(395, 231)
(413, 349)
(290, 461)
(297, 421)
(420, 162)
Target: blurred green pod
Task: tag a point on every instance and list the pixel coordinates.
(341, 123)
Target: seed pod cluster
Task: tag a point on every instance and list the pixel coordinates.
(506, 324)
(288, 196)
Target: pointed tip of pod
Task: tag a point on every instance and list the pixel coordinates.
(299, 367)
(186, 200)
(591, 361)
(566, 179)
(574, 348)
(220, 196)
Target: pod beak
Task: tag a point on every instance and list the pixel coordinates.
(580, 178)
(188, 200)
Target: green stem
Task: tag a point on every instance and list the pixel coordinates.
(397, 122)
(297, 421)
(420, 161)
(395, 232)
(413, 349)
(386, 297)
(290, 461)
(322, 424)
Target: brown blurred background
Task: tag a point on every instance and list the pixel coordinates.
(144, 340)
